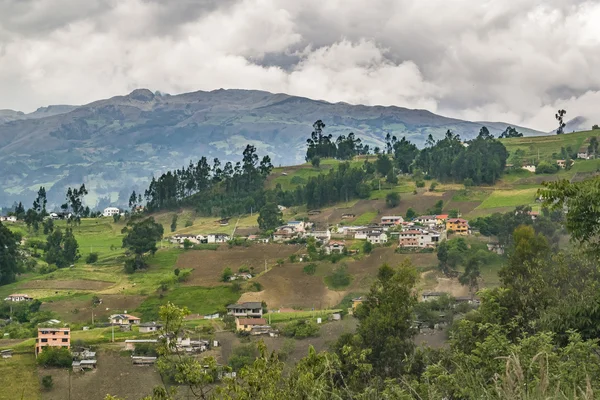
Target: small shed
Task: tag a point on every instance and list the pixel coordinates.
(143, 360)
(6, 353)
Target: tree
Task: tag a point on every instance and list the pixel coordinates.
(61, 249)
(133, 201)
(392, 199)
(404, 155)
(74, 202)
(510, 132)
(561, 125)
(140, 238)
(391, 177)
(385, 319)
(383, 165)
(269, 217)
(410, 214)
(10, 255)
(593, 146)
(187, 244)
(39, 204)
(91, 258)
(367, 247)
(174, 223)
(227, 274)
(48, 226)
(315, 161)
(595, 126)
(55, 357)
(472, 273)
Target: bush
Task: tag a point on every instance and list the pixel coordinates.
(91, 258)
(546, 168)
(301, 329)
(432, 186)
(242, 356)
(187, 244)
(392, 199)
(55, 357)
(420, 184)
(189, 223)
(227, 273)
(255, 286)
(184, 276)
(293, 258)
(236, 287)
(339, 278)
(310, 269)
(468, 182)
(316, 161)
(367, 247)
(47, 269)
(47, 382)
(410, 214)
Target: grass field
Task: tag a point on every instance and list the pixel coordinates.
(509, 198)
(365, 218)
(18, 378)
(198, 299)
(544, 146)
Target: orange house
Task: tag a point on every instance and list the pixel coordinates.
(53, 337)
(458, 225)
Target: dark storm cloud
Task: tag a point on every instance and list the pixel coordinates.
(478, 59)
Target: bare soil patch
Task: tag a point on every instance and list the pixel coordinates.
(80, 310)
(115, 375)
(464, 207)
(208, 265)
(418, 202)
(77, 284)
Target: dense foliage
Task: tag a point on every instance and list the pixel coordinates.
(344, 147)
(10, 257)
(61, 248)
(140, 238)
(213, 190)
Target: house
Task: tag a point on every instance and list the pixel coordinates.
(323, 236)
(458, 226)
(426, 220)
(243, 276)
(223, 221)
(377, 238)
(180, 239)
(356, 302)
(529, 167)
(258, 239)
(18, 297)
(298, 226)
(441, 219)
(281, 208)
(430, 296)
(10, 218)
(149, 327)
(391, 220)
(81, 365)
(583, 153)
(249, 309)
(6, 353)
(246, 324)
(420, 238)
(563, 163)
(348, 216)
(53, 337)
(496, 248)
(283, 235)
(533, 214)
(335, 246)
(217, 238)
(110, 211)
(124, 319)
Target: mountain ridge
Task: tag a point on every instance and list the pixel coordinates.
(115, 145)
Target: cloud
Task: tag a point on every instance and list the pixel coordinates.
(513, 61)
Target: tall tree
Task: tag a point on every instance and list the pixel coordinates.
(561, 125)
(269, 217)
(10, 255)
(140, 238)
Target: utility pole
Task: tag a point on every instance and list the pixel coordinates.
(113, 332)
(265, 265)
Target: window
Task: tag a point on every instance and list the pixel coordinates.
(66, 332)
(65, 340)
(44, 340)
(54, 339)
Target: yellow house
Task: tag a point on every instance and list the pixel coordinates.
(458, 225)
(246, 324)
(356, 302)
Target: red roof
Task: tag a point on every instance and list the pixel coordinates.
(336, 242)
(457, 220)
(252, 321)
(442, 216)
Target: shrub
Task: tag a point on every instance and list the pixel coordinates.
(184, 276)
(410, 214)
(189, 223)
(177, 271)
(468, 182)
(255, 286)
(47, 382)
(47, 269)
(315, 161)
(187, 244)
(367, 247)
(546, 168)
(242, 356)
(392, 199)
(432, 186)
(91, 258)
(227, 273)
(293, 258)
(420, 184)
(301, 329)
(310, 269)
(339, 278)
(55, 357)
(243, 269)
(236, 287)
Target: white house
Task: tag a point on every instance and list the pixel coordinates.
(377, 237)
(124, 319)
(196, 239)
(298, 226)
(421, 238)
(18, 297)
(11, 218)
(335, 246)
(427, 220)
(391, 220)
(323, 236)
(110, 211)
(529, 167)
(217, 238)
(148, 327)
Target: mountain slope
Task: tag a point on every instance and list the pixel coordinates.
(115, 145)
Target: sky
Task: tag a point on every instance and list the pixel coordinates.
(516, 61)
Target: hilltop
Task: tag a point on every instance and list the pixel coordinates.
(115, 145)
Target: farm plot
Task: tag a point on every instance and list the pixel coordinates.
(207, 266)
(76, 284)
(509, 198)
(79, 309)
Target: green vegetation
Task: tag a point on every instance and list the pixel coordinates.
(365, 219)
(310, 269)
(55, 357)
(339, 278)
(19, 378)
(301, 329)
(198, 299)
(509, 198)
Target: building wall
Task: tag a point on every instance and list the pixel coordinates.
(53, 338)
